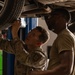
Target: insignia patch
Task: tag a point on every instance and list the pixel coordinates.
(36, 57)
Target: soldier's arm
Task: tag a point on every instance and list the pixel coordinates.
(7, 46)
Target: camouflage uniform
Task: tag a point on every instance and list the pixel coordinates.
(24, 62)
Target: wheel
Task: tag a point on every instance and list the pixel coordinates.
(10, 10)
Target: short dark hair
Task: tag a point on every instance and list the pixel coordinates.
(64, 12)
(44, 34)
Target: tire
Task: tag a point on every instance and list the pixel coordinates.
(10, 11)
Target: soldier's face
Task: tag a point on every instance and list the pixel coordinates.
(50, 20)
(32, 37)
(56, 22)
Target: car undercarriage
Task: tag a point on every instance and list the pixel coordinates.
(10, 10)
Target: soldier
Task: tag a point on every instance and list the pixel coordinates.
(63, 49)
(28, 54)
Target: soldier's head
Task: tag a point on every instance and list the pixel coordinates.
(58, 19)
(37, 36)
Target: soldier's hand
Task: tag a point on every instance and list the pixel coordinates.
(15, 28)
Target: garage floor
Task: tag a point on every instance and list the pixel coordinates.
(0, 62)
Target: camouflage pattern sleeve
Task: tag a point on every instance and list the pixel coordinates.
(14, 46)
(36, 59)
(20, 52)
(7, 46)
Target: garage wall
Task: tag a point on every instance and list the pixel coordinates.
(41, 22)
